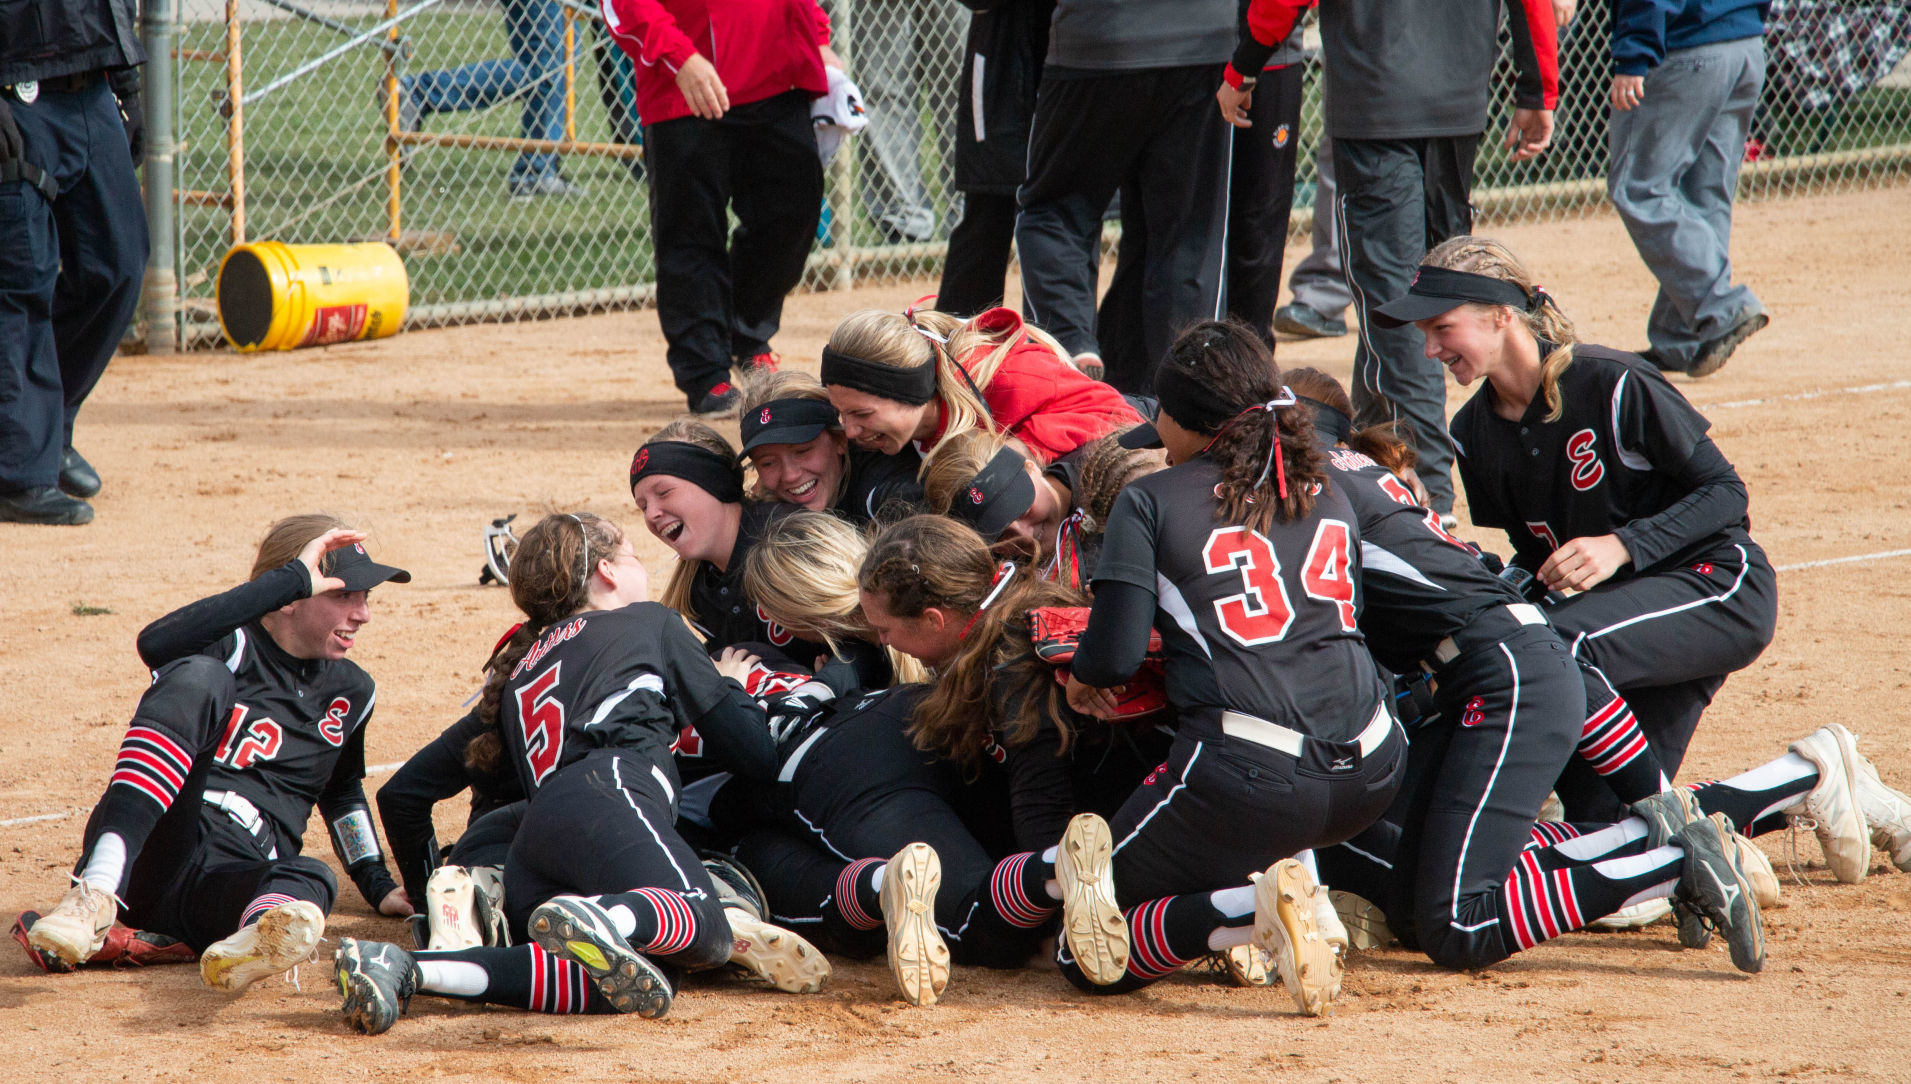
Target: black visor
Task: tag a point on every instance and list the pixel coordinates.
(997, 497)
(356, 567)
(1435, 290)
(1141, 436)
(786, 421)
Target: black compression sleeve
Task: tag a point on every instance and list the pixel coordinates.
(1116, 639)
(194, 628)
(433, 774)
(736, 735)
(1715, 499)
(1041, 791)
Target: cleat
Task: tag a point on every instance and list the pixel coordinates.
(75, 929)
(1665, 813)
(1713, 884)
(1636, 917)
(487, 899)
(574, 928)
(1758, 871)
(1887, 811)
(1327, 918)
(775, 955)
(1363, 920)
(737, 887)
(1287, 928)
(377, 981)
(918, 956)
(1552, 809)
(283, 938)
(451, 910)
(1832, 808)
(1248, 965)
(1096, 930)
(45, 961)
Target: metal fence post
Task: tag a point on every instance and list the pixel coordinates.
(160, 292)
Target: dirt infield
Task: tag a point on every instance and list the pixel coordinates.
(425, 437)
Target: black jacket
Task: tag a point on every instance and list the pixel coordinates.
(1007, 40)
(44, 39)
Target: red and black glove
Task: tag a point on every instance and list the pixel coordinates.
(1056, 631)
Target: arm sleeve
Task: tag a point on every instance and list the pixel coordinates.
(734, 727)
(1264, 26)
(1041, 791)
(194, 628)
(1638, 35)
(1116, 639)
(348, 819)
(646, 31)
(1535, 53)
(1716, 499)
(433, 774)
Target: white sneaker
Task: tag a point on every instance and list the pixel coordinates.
(283, 938)
(774, 954)
(1758, 872)
(1363, 920)
(1096, 930)
(1249, 965)
(1636, 917)
(1832, 806)
(76, 928)
(1887, 811)
(451, 909)
(1285, 925)
(918, 956)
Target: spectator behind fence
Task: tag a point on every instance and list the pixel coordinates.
(1406, 91)
(72, 238)
(1127, 101)
(535, 73)
(1319, 284)
(730, 135)
(899, 48)
(1001, 69)
(1686, 78)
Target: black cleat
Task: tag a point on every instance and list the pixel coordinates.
(574, 928)
(44, 504)
(1714, 353)
(77, 476)
(1713, 884)
(377, 980)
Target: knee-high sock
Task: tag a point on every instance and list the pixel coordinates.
(858, 896)
(1757, 800)
(1165, 934)
(151, 768)
(656, 921)
(1613, 745)
(523, 977)
(1017, 892)
(1555, 890)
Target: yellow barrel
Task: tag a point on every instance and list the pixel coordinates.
(275, 296)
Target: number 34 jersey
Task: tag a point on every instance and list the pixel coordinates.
(1260, 623)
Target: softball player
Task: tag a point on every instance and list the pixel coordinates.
(254, 715)
(583, 703)
(916, 378)
(794, 439)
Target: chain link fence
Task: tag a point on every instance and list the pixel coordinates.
(495, 143)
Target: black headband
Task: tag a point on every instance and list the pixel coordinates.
(1189, 397)
(787, 421)
(912, 386)
(1333, 425)
(1435, 290)
(1001, 494)
(715, 474)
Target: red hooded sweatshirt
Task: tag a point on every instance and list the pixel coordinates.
(761, 48)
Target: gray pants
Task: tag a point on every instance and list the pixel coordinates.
(1318, 281)
(1675, 162)
(904, 51)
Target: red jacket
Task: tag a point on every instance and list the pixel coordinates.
(1040, 399)
(761, 48)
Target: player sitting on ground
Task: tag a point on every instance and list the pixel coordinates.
(253, 716)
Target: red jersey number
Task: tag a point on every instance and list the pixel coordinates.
(1328, 575)
(1261, 613)
(1397, 489)
(1544, 533)
(541, 716)
(247, 743)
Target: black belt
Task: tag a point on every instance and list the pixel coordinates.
(72, 84)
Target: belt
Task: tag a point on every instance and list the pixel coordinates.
(1525, 613)
(59, 84)
(1252, 728)
(245, 815)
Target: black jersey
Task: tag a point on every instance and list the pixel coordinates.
(1419, 584)
(880, 488)
(627, 679)
(727, 616)
(1264, 624)
(1629, 456)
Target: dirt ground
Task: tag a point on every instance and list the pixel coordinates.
(425, 437)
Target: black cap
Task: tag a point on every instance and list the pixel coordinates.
(1001, 494)
(786, 421)
(356, 567)
(1435, 290)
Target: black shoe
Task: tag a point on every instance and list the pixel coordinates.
(77, 476)
(719, 402)
(1298, 319)
(44, 504)
(377, 980)
(1714, 353)
(1712, 882)
(1660, 361)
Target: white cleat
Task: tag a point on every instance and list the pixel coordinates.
(1287, 928)
(1636, 917)
(1887, 811)
(76, 928)
(774, 954)
(1832, 807)
(1249, 965)
(1093, 924)
(1364, 921)
(1758, 872)
(283, 938)
(918, 956)
(451, 909)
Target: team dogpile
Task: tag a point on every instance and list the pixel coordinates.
(970, 659)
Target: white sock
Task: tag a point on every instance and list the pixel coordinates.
(1052, 886)
(620, 916)
(457, 978)
(1051, 855)
(1634, 865)
(1604, 841)
(876, 878)
(1233, 902)
(1306, 858)
(1228, 937)
(1657, 892)
(106, 864)
(1791, 769)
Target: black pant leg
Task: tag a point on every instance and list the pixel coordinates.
(1261, 198)
(1706, 619)
(488, 841)
(801, 881)
(689, 171)
(973, 274)
(1118, 320)
(31, 399)
(777, 182)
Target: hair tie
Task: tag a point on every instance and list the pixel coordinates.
(1274, 460)
(586, 536)
(1539, 298)
(1068, 540)
(910, 312)
(1004, 575)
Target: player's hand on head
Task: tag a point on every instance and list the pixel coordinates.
(1584, 563)
(1531, 133)
(396, 904)
(702, 88)
(1088, 700)
(736, 663)
(316, 549)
